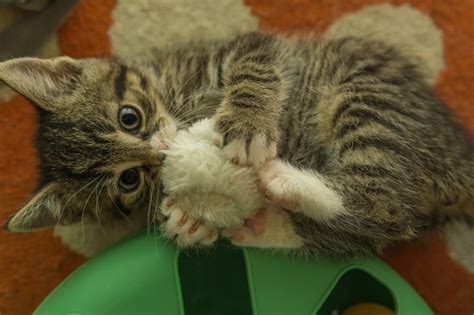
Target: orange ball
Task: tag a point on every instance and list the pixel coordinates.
(368, 309)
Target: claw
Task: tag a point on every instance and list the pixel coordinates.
(211, 235)
(169, 203)
(250, 152)
(210, 238)
(194, 227)
(183, 220)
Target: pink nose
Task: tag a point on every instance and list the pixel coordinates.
(163, 146)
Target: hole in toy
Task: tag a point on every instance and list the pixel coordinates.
(356, 286)
(214, 282)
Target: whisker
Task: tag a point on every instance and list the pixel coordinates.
(148, 219)
(195, 95)
(167, 97)
(186, 82)
(85, 205)
(78, 191)
(97, 208)
(187, 114)
(183, 85)
(196, 117)
(158, 199)
(117, 207)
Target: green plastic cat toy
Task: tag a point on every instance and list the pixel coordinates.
(148, 275)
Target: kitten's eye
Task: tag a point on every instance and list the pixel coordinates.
(129, 118)
(129, 180)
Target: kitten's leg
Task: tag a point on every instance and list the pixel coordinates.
(346, 213)
(335, 215)
(187, 230)
(300, 190)
(270, 228)
(247, 119)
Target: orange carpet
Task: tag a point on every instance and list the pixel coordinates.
(31, 265)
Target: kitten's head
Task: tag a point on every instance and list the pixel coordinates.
(102, 125)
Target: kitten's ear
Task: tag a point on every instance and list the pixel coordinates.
(41, 212)
(41, 80)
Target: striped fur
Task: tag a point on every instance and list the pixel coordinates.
(354, 112)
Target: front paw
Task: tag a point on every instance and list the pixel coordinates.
(183, 228)
(245, 145)
(252, 152)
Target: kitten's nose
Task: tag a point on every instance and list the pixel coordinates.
(157, 149)
(163, 146)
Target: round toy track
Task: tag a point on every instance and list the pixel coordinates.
(148, 275)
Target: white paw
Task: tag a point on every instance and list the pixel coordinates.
(253, 153)
(299, 190)
(183, 228)
(276, 181)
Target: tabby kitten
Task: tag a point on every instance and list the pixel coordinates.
(371, 158)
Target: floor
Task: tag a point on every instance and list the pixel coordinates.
(440, 266)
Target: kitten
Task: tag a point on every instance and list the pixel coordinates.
(371, 158)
